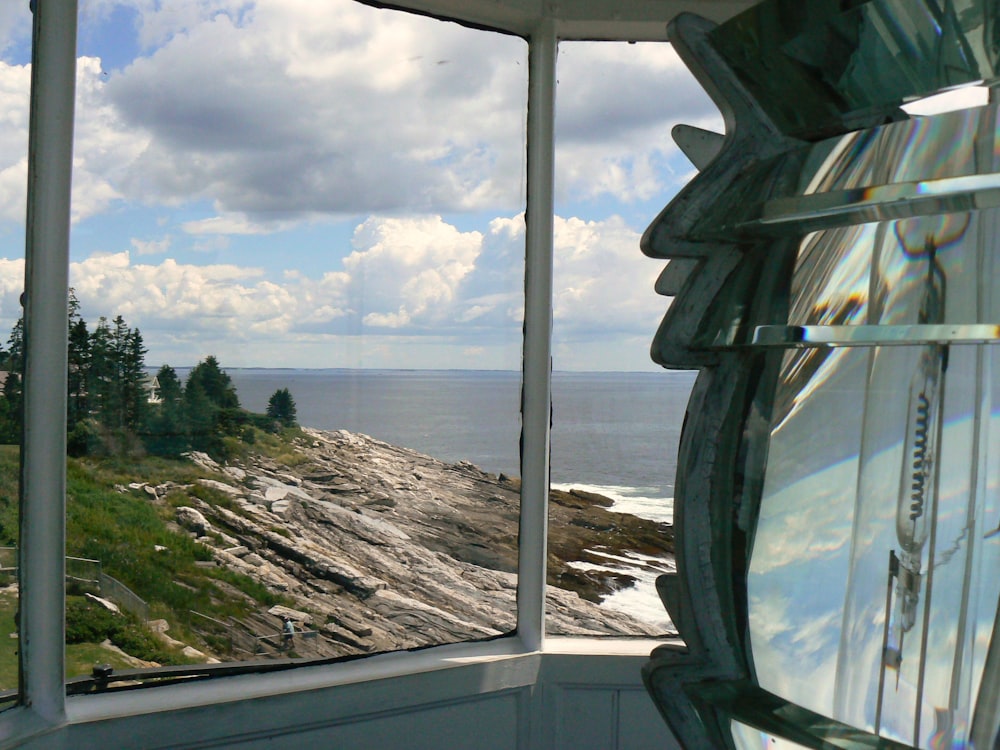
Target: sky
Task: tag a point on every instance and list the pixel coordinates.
(285, 183)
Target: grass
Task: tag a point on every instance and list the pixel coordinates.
(123, 530)
(81, 658)
(8, 645)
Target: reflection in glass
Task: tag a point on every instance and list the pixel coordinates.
(851, 180)
(812, 70)
(869, 597)
(747, 738)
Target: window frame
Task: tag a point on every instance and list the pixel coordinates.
(42, 702)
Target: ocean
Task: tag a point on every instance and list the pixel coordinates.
(615, 433)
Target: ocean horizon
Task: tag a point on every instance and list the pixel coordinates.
(614, 430)
(613, 433)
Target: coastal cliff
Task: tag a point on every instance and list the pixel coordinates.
(373, 547)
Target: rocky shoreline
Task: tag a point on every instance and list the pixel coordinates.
(373, 547)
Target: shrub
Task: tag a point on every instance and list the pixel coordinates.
(87, 622)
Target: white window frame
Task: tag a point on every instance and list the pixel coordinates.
(43, 704)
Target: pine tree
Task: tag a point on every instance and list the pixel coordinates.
(201, 417)
(168, 431)
(281, 407)
(216, 384)
(102, 377)
(132, 370)
(78, 356)
(12, 402)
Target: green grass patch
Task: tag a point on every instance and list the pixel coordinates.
(123, 529)
(8, 645)
(81, 658)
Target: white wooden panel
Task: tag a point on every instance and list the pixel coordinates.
(640, 726)
(587, 719)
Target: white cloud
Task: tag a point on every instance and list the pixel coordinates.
(14, 87)
(413, 277)
(409, 270)
(616, 106)
(151, 247)
(281, 112)
(302, 108)
(602, 283)
(15, 23)
(104, 150)
(232, 224)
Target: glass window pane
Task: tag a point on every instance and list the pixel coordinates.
(616, 416)
(15, 83)
(298, 259)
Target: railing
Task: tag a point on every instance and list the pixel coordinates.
(83, 571)
(123, 596)
(80, 570)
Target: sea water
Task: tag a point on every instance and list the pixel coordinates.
(615, 433)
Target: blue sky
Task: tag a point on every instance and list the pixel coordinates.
(291, 183)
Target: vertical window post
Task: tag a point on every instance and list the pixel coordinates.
(43, 451)
(536, 397)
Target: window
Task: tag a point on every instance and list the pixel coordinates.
(194, 205)
(328, 235)
(616, 416)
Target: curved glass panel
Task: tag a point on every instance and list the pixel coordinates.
(812, 69)
(870, 600)
(951, 165)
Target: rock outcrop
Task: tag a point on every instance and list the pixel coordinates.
(375, 547)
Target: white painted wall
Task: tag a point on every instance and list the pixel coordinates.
(550, 701)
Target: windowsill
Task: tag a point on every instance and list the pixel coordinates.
(304, 678)
(520, 669)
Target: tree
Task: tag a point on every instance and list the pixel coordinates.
(167, 433)
(102, 375)
(12, 401)
(132, 372)
(201, 418)
(281, 406)
(216, 384)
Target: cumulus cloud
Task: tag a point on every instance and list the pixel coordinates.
(279, 110)
(299, 108)
(409, 270)
(405, 276)
(14, 88)
(616, 106)
(602, 283)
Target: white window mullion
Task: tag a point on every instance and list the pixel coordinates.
(43, 475)
(536, 397)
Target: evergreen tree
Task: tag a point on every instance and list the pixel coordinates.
(168, 431)
(216, 384)
(104, 395)
(78, 360)
(201, 418)
(132, 371)
(12, 402)
(281, 407)
(168, 386)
